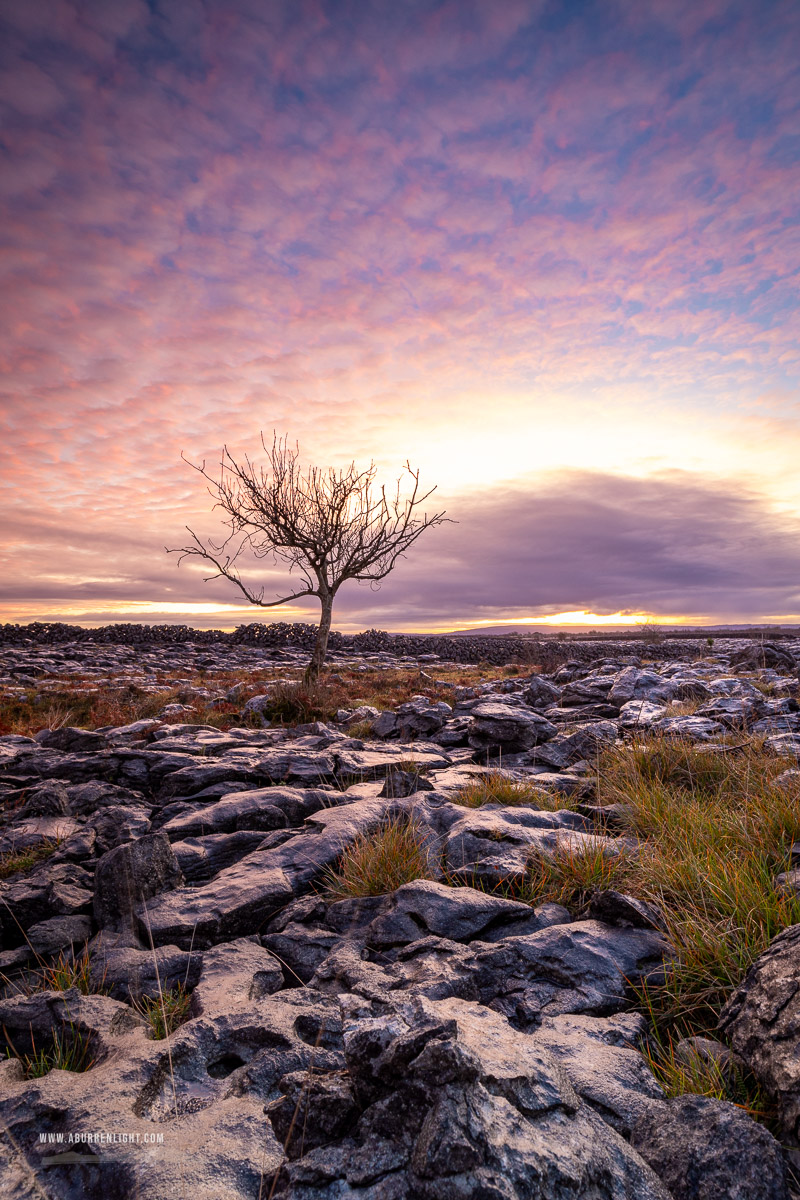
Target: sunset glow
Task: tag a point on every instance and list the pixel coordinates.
(548, 252)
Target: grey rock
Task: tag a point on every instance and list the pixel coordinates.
(72, 740)
(49, 937)
(784, 744)
(63, 889)
(259, 809)
(201, 858)
(762, 1023)
(617, 908)
(131, 874)
(541, 692)
(242, 898)
(696, 729)
(129, 971)
(601, 1058)
(47, 800)
(425, 907)
(87, 798)
(761, 654)
(454, 1106)
(706, 1149)
(117, 824)
(404, 783)
(495, 723)
(385, 724)
(640, 714)
(234, 975)
(583, 742)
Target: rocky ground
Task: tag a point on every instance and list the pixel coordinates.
(441, 1040)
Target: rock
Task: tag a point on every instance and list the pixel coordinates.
(234, 975)
(762, 1023)
(730, 711)
(385, 724)
(582, 742)
(48, 938)
(424, 907)
(453, 1103)
(419, 716)
(78, 741)
(615, 908)
(34, 831)
(200, 859)
(117, 824)
(784, 744)
(640, 714)
(601, 1058)
(314, 1110)
(695, 729)
(707, 1149)
(761, 654)
(62, 889)
(495, 723)
(128, 971)
(47, 800)
(404, 783)
(541, 692)
(259, 809)
(131, 874)
(496, 845)
(87, 798)
(242, 898)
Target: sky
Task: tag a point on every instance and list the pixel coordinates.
(547, 251)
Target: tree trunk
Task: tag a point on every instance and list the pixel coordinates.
(321, 645)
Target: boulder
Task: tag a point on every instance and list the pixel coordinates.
(425, 907)
(495, 723)
(450, 1103)
(762, 1022)
(602, 1060)
(583, 742)
(706, 1149)
(131, 874)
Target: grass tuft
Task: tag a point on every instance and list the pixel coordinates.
(379, 863)
(13, 862)
(496, 788)
(163, 1014)
(68, 1049)
(166, 1012)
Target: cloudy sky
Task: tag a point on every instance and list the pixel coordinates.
(547, 250)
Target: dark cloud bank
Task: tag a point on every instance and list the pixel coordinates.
(674, 544)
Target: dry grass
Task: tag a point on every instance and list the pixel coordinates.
(91, 704)
(496, 788)
(15, 862)
(166, 1012)
(715, 832)
(67, 1049)
(379, 863)
(574, 875)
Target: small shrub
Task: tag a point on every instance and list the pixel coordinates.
(378, 863)
(166, 1012)
(298, 703)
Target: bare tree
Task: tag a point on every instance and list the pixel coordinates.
(328, 525)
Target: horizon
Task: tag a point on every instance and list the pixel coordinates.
(548, 253)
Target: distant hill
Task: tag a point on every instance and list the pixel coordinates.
(625, 630)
